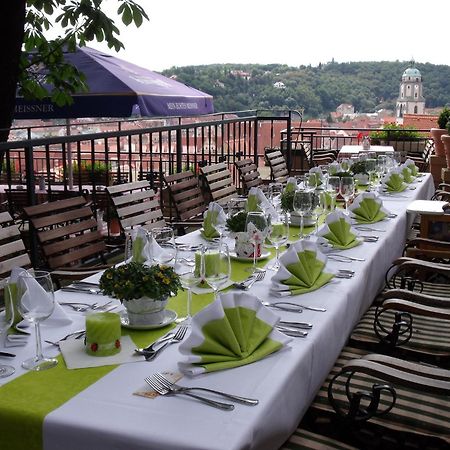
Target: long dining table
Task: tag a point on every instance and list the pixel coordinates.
(94, 408)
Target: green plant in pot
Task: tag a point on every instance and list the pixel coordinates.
(144, 290)
(92, 171)
(400, 137)
(437, 133)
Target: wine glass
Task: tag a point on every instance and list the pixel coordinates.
(256, 226)
(164, 237)
(36, 303)
(216, 267)
(189, 272)
(319, 206)
(333, 185)
(371, 166)
(275, 191)
(347, 190)
(277, 236)
(6, 322)
(302, 205)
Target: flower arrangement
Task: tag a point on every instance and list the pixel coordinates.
(236, 223)
(134, 280)
(394, 131)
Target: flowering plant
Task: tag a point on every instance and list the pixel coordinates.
(134, 280)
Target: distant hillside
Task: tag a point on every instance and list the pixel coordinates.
(366, 85)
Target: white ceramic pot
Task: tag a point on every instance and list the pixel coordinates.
(145, 310)
(243, 247)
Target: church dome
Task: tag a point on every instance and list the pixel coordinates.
(411, 72)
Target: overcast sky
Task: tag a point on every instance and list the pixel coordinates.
(295, 32)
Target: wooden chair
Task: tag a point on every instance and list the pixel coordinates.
(249, 174)
(12, 249)
(70, 243)
(136, 204)
(218, 183)
(278, 169)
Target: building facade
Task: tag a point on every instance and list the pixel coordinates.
(411, 99)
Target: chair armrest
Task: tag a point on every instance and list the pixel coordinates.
(422, 309)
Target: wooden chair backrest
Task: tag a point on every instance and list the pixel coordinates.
(218, 183)
(278, 168)
(248, 173)
(185, 195)
(136, 204)
(12, 249)
(67, 233)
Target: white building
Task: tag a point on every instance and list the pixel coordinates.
(410, 100)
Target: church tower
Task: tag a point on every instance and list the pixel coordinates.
(410, 100)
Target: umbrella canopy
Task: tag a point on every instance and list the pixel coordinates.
(119, 89)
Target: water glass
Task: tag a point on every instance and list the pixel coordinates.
(371, 166)
(277, 236)
(319, 206)
(36, 303)
(216, 267)
(256, 225)
(347, 190)
(275, 191)
(185, 267)
(164, 237)
(302, 205)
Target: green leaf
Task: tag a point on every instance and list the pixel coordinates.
(127, 16)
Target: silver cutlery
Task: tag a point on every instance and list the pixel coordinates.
(82, 307)
(293, 332)
(366, 228)
(150, 348)
(85, 290)
(369, 238)
(7, 355)
(179, 336)
(292, 307)
(250, 281)
(85, 283)
(351, 258)
(301, 325)
(78, 335)
(160, 389)
(176, 387)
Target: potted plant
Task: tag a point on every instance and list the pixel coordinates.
(91, 172)
(400, 137)
(437, 133)
(143, 290)
(236, 225)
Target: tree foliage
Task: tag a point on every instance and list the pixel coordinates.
(368, 86)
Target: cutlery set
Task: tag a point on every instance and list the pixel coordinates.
(151, 353)
(82, 307)
(250, 281)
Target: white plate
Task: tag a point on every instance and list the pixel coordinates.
(264, 255)
(169, 317)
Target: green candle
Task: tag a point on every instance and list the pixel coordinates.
(103, 334)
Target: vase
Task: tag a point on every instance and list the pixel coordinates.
(446, 141)
(244, 247)
(145, 310)
(436, 134)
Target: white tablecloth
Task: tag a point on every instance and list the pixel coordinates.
(350, 150)
(107, 416)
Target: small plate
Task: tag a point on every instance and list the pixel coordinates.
(264, 255)
(169, 318)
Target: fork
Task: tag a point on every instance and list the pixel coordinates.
(179, 335)
(177, 388)
(160, 389)
(292, 307)
(250, 281)
(149, 349)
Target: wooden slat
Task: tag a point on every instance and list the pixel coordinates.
(67, 244)
(12, 247)
(134, 197)
(127, 187)
(142, 219)
(50, 207)
(66, 216)
(17, 261)
(67, 230)
(75, 255)
(136, 208)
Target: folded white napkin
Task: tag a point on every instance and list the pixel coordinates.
(337, 230)
(20, 339)
(262, 201)
(367, 204)
(158, 253)
(35, 290)
(334, 168)
(393, 180)
(140, 246)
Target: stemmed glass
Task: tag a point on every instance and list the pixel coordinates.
(371, 166)
(347, 190)
(319, 206)
(189, 272)
(6, 322)
(275, 191)
(36, 303)
(256, 226)
(216, 266)
(164, 237)
(333, 186)
(302, 205)
(277, 236)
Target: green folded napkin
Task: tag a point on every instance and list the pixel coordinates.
(367, 210)
(253, 203)
(301, 271)
(337, 231)
(234, 330)
(412, 167)
(12, 298)
(407, 175)
(138, 250)
(209, 221)
(395, 183)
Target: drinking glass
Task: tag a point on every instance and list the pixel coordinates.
(164, 237)
(371, 165)
(275, 191)
(216, 267)
(333, 186)
(277, 236)
(256, 225)
(6, 321)
(319, 206)
(347, 190)
(189, 272)
(36, 303)
(302, 205)
(345, 164)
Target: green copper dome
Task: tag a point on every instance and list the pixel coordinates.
(412, 72)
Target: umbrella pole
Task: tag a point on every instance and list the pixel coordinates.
(69, 156)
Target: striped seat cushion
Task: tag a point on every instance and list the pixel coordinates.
(306, 440)
(422, 414)
(430, 335)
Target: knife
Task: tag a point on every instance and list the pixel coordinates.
(7, 355)
(81, 289)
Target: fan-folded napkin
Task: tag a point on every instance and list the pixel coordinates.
(212, 217)
(393, 181)
(257, 201)
(367, 208)
(141, 250)
(301, 270)
(234, 330)
(412, 167)
(338, 231)
(407, 173)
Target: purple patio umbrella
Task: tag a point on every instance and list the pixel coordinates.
(119, 89)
